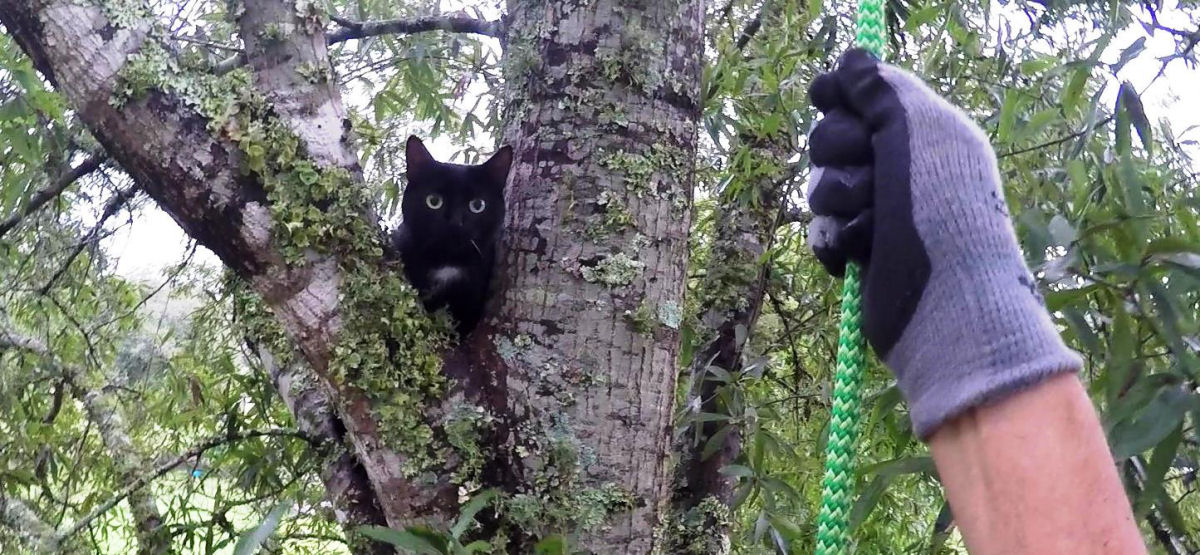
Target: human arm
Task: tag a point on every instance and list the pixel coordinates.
(907, 186)
(1032, 473)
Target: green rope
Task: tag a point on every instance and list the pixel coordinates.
(833, 522)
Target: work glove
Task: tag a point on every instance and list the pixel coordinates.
(906, 185)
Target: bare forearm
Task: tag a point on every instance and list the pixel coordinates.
(1033, 474)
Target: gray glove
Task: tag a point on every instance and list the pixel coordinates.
(906, 185)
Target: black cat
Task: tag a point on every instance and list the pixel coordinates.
(453, 214)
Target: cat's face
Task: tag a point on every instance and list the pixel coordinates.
(457, 207)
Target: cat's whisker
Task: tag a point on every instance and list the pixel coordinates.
(476, 247)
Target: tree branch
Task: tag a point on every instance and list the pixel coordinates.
(1059, 140)
(114, 204)
(453, 23)
(352, 30)
(346, 483)
(42, 196)
(30, 529)
(166, 467)
(103, 411)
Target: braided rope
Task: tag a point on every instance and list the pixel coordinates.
(837, 492)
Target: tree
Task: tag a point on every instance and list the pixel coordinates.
(256, 165)
(651, 373)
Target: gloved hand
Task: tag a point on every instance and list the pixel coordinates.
(907, 185)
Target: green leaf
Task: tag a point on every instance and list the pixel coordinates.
(1039, 122)
(902, 465)
(471, 508)
(1154, 423)
(418, 544)
(478, 546)
(1170, 246)
(1008, 114)
(1063, 298)
(710, 417)
(923, 16)
(1061, 231)
(1170, 511)
(1082, 189)
(883, 403)
(1034, 66)
(1122, 141)
(1129, 102)
(1120, 354)
(719, 373)
(250, 541)
(779, 487)
(551, 545)
(786, 527)
(1073, 92)
(868, 499)
(737, 471)
(1083, 331)
(814, 8)
(715, 443)
(1129, 54)
(1160, 462)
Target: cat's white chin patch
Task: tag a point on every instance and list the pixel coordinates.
(446, 275)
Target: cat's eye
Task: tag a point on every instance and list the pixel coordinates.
(477, 205)
(433, 201)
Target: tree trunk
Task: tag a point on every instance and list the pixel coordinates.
(29, 531)
(568, 389)
(602, 109)
(732, 295)
(346, 484)
(158, 122)
(103, 410)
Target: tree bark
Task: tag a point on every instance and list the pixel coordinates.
(732, 293)
(577, 368)
(29, 529)
(602, 110)
(347, 486)
(104, 411)
(163, 142)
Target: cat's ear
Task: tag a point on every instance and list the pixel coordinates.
(417, 157)
(498, 165)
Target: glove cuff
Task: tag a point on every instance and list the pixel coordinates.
(980, 348)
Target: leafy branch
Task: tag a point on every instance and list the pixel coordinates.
(110, 209)
(43, 196)
(453, 23)
(166, 467)
(351, 30)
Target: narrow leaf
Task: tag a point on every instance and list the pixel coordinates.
(470, 509)
(1131, 103)
(250, 541)
(737, 471)
(1154, 424)
(551, 545)
(402, 539)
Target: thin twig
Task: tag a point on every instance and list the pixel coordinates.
(455, 24)
(41, 197)
(208, 43)
(166, 467)
(352, 30)
(1059, 140)
(114, 204)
